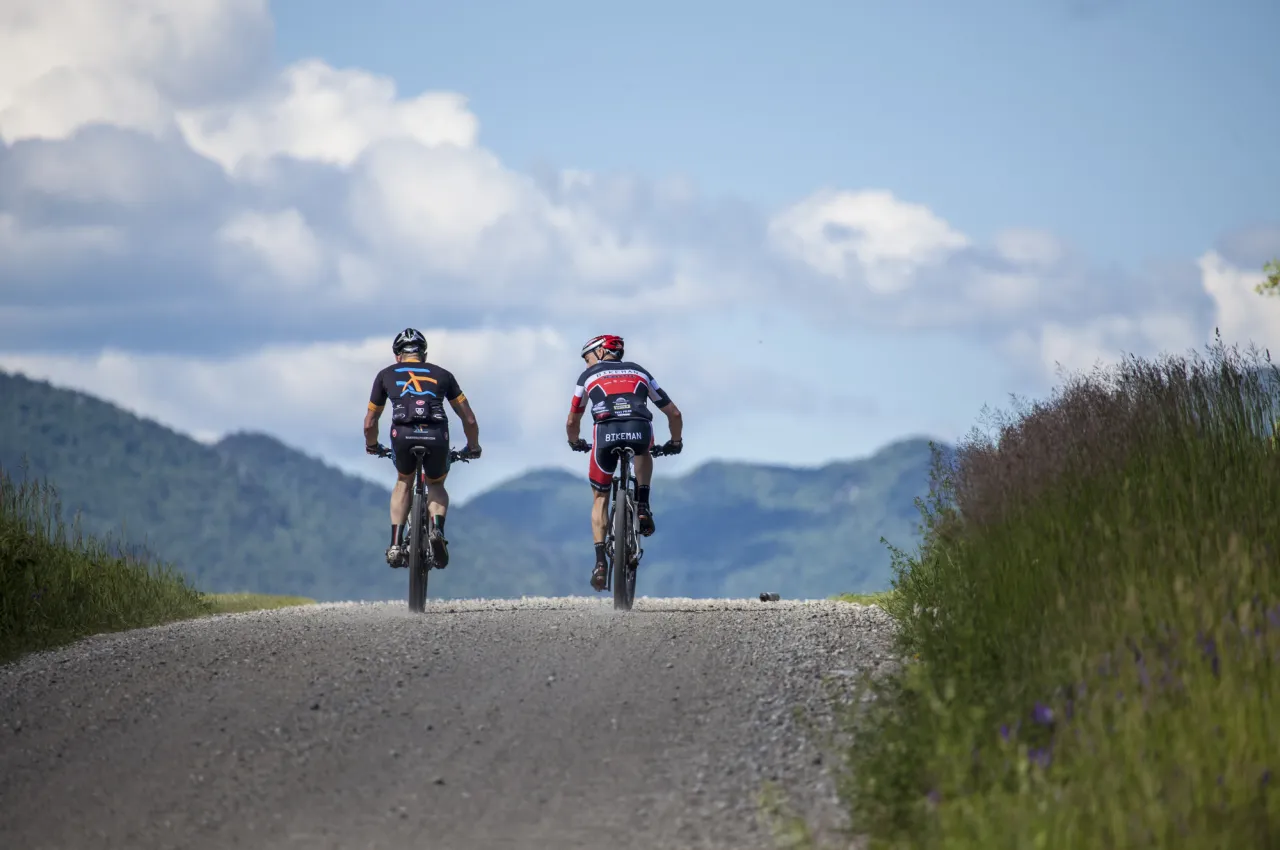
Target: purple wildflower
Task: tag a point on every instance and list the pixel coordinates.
(1209, 648)
(1042, 714)
(1042, 757)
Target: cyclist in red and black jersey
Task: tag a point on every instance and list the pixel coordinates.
(618, 393)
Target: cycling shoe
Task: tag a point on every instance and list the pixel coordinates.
(646, 520)
(439, 549)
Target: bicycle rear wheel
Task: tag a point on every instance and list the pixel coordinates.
(624, 576)
(418, 566)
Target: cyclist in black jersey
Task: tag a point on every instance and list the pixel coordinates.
(618, 392)
(417, 391)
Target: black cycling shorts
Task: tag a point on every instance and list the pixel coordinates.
(433, 437)
(636, 434)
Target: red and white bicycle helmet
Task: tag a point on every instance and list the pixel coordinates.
(609, 342)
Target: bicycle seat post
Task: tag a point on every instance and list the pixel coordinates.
(419, 452)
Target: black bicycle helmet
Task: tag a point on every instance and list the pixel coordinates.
(410, 340)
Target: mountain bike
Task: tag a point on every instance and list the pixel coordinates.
(417, 528)
(622, 533)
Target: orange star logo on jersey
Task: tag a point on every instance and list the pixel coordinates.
(413, 382)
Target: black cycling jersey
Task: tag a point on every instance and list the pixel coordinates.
(417, 392)
(617, 389)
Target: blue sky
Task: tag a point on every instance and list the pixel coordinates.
(1142, 130)
(876, 217)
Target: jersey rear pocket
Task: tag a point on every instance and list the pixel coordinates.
(418, 411)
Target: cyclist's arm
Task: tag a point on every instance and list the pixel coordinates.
(573, 426)
(662, 401)
(377, 401)
(470, 427)
(371, 424)
(462, 407)
(675, 422)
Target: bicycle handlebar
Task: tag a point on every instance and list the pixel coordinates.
(655, 451)
(455, 455)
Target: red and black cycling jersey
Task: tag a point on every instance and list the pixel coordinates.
(617, 390)
(417, 392)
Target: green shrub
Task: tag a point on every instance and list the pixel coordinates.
(1090, 629)
(57, 585)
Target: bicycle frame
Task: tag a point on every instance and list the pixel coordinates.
(420, 486)
(416, 528)
(625, 470)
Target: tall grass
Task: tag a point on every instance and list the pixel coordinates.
(57, 585)
(1091, 625)
(239, 603)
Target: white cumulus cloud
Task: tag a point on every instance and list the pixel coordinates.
(68, 63)
(215, 218)
(281, 241)
(870, 234)
(1240, 313)
(316, 112)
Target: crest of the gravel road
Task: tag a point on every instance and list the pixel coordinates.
(532, 723)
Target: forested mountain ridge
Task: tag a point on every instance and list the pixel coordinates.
(251, 513)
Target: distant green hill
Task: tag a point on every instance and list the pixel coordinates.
(251, 514)
(247, 514)
(733, 529)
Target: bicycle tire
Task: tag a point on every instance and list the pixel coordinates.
(633, 553)
(622, 540)
(417, 558)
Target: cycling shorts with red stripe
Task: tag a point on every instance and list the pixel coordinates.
(635, 434)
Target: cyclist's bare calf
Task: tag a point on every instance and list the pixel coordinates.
(642, 466)
(401, 495)
(437, 497)
(599, 515)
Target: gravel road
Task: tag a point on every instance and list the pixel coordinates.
(537, 723)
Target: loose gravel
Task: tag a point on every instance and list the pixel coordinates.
(532, 723)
